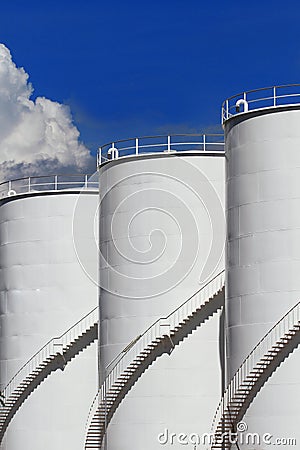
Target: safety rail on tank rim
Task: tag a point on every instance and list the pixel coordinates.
(47, 183)
(268, 97)
(161, 145)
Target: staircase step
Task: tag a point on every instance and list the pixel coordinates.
(151, 346)
(104, 406)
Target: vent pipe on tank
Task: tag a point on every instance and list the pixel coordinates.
(113, 152)
(240, 102)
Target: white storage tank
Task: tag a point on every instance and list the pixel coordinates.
(162, 233)
(44, 290)
(262, 142)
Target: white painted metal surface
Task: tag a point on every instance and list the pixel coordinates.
(263, 213)
(43, 292)
(161, 238)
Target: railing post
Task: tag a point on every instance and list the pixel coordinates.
(113, 151)
(169, 144)
(274, 95)
(86, 181)
(55, 183)
(29, 184)
(136, 146)
(227, 109)
(204, 142)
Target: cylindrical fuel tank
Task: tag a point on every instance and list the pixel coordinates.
(263, 259)
(44, 290)
(161, 238)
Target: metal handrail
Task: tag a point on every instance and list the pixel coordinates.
(92, 411)
(51, 348)
(161, 144)
(269, 340)
(26, 185)
(171, 316)
(274, 97)
(157, 330)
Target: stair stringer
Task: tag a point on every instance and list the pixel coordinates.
(243, 394)
(285, 353)
(50, 364)
(103, 409)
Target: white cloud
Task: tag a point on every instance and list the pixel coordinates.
(36, 137)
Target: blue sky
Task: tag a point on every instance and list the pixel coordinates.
(141, 68)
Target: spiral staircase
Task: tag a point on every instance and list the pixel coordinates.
(136, 358)
(280, 341)
(54, 355)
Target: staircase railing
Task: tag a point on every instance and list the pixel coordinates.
(92, 411)
(162, 327)
(53, 347)
(274, 335)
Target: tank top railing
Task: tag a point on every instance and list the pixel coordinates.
(161, 145)
(47, 183)
(53, 347)
(256, 99)
(162, 327)
(273, 336)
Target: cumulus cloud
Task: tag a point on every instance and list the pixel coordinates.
(37, 137)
